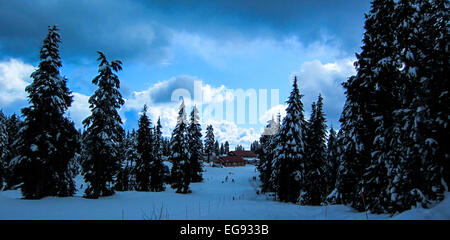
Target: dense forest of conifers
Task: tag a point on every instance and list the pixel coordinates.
(392, 150)
(42, 152)
(389, 155)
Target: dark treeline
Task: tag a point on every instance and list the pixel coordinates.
(391, 153)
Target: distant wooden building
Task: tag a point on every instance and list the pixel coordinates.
(230, 161)
(243, 154)
(249, 156)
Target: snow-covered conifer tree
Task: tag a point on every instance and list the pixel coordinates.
(180, 155)
(48, 140)
(104, 132)
(3, 149)
(288, 165)
(157, 168)
(352, 150)
(266, 155)
(209, 142)
(226, 147)
(314, 186)
(13, 125)
(216, 148)
(381, 74)
(331, 165)
(145, 150)
(195, 146)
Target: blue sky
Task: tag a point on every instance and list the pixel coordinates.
(165, 45)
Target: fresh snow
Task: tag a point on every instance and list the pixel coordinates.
(218, 197)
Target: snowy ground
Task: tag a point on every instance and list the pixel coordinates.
(215, 198)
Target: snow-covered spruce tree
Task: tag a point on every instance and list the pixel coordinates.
(157, 168)
(433, 121)
(366, 118)
(226, 147)
(48, 140)
(13, 125)
(145, 150)
(420, 124)
(255, 147)
(405, 164)
(126, 176)
(195, 146)
(331, 165)
(288, 164)
(3, 149)
(122, 176)
(439, 84)
(180, 155)
(314, 186)
(104, 132)
(354, 142)
(430, 106)
(266, 154)
(132, 156)
(222, 149)
(264, 169)
(166, 146)
(216, 148)
(209, 142)
(380, 71)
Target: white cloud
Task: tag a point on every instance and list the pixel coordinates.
(79, 109)
(157, 98)
(161, 93)
(229, 131)
(315, 75)
(223, 130)
(273, 112)
(168, 113)
(14, 77)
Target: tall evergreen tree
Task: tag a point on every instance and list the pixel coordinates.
(315, 155)
(288, 164)
(48, 141)
(157, 168)
(423, 51)
(209, 142)
(396, 135)
(403, 166)
(226, 147)
(266, 154)
(3, 149)
(104, 132)
(366, 120)
(222, 149)
(255, 146)
(126, 176)
(13, 126)
(352, 150)
(145, 151)
(180, 153)
(331, 165)
(440, 92)
(380, 72)
(216, 148)
(195, 146)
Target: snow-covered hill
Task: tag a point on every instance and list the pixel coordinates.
(218, 197)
